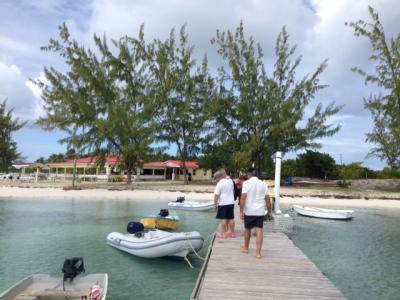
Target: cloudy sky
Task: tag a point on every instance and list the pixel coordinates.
(316, 26)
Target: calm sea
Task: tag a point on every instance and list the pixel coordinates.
(361, 257)
(36, 237)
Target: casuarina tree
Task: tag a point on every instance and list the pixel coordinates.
(100, 99)
(385, 104)
(261, 113)
(180, 88)
(8, 147)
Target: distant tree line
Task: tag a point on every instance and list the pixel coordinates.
(313, 164)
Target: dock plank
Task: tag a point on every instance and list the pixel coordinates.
(284, 272)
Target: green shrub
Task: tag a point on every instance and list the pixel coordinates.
(116, 179)
(387, 173)
(343, 183)
(356, 171)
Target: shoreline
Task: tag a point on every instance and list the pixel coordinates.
(47, 193)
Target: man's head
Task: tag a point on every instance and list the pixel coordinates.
(219, 174)
(251, 172)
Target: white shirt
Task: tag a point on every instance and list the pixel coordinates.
(255, 201)
(224, 189)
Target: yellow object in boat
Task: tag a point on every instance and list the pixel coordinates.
(169, 222)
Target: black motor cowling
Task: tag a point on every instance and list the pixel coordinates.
(180, 199)
(164, 213)
(134, 227)
(72, 267)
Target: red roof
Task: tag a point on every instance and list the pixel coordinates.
(111, 160)
(114, 160)
(156, 164)
(172, 164)
(178, 163)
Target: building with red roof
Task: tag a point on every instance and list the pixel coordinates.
(88, 168)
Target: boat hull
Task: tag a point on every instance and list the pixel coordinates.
(323, 213)
(160, 244)
(43, 286)
(192, 205)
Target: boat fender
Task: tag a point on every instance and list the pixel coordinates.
(180, 199)
(95, 292)
(134, 227)
(164, 213)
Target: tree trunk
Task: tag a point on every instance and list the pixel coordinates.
(74, 174)
(128, 174)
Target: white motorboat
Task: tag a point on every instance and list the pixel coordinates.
(191, 205)
(43, 286)
(324, 213)
(157, 243)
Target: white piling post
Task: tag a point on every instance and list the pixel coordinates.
(37, 174)
(278, 159)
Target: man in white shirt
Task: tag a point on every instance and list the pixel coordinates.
(224, 198)
(253, 202)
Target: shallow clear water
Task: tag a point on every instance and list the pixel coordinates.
(36, 237)
(361, 257)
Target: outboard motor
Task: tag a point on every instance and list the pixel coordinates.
(72, 267)
(134, 227)
(164, 213)
(180, 199)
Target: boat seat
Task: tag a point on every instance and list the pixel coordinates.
(50, 293)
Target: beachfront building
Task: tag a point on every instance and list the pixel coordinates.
(173, 170)
(88, 169)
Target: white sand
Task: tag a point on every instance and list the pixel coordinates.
(151, 195)
(97, 194)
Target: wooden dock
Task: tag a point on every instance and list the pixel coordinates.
(284, 272)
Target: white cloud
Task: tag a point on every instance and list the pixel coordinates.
(316, 26)
(13, 87)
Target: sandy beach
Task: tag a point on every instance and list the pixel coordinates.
(165, 194)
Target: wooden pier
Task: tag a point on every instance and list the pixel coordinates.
(283, 272)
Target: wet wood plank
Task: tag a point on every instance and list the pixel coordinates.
(284, 272)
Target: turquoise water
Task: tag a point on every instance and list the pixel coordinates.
(36, 237)
(361, 257)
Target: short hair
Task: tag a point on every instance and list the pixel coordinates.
(252, 171)
(219, 173)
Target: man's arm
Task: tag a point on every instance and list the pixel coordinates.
(243, 199)
(216, 198)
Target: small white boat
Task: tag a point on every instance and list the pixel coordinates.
(324, 213)
(157, 243)
(43, 286)
(192, 205)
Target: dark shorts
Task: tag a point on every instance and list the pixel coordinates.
(225, 212)
(253, 221)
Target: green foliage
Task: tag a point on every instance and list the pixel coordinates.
(385, 108)
(8, 148)
(289, 168)
(216, 156)
(387, 173)
(180, 88)
(343, 183)
(116, 179)
(355, 171)
(100, 101)
(316, 165)
(258, 114)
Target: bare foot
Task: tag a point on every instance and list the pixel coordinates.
(243, 249)
(258, 255)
